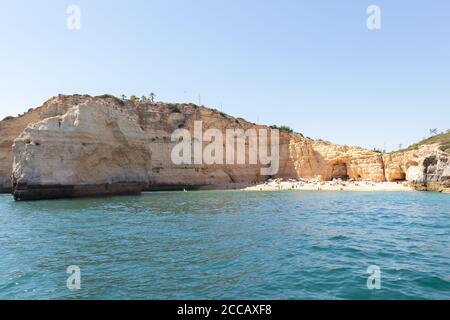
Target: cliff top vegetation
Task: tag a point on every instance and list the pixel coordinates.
(443, 139)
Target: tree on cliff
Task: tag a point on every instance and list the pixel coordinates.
(433, 132)
(124, 97)
(152, 97)
(134, 99)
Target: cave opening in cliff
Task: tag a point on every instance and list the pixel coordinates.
(398, 177)
(340, 171)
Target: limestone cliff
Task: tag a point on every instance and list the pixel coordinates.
(91, 150)
(308, 159)
(350, 162)
(81, 145)
(11, 128)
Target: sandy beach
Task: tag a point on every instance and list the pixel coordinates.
(337, 185)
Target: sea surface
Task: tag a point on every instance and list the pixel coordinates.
(228, 245)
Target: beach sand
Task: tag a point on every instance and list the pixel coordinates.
(278, 185)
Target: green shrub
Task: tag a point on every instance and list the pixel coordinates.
(282, 128)
(106, 96)
(443, 139)
(110, 96)
(445, 147)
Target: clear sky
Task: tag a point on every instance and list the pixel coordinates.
(312, 65)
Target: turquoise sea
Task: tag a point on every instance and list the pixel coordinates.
(228, 245)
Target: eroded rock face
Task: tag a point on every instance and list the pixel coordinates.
(10, 129)
(427, 168)
(160, 120)
(93, 149)
(308, 159)
(353, 162)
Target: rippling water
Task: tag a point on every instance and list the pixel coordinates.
(228, 245)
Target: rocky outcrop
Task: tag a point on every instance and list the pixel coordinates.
(323, 160)
(11, 128)
(91, 150)
(77, 146)
(426, 168)
(350, 162)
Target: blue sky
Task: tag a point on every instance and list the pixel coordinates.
(312, 65)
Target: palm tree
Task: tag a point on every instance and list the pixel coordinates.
(433, 132)
(133, 98)
(152, 97)
(143, 98)
(124, 97)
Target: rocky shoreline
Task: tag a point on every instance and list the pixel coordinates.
(78, 146)
(48, 192)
